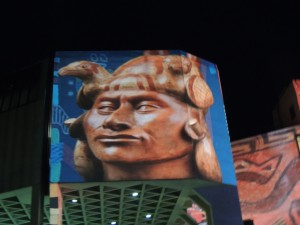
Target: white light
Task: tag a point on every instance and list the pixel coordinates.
(134, 194)
(113, 223)
(74, 200)
(148, 216)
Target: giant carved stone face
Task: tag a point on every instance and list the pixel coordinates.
(137, 126)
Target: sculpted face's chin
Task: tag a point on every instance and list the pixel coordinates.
(110, 150)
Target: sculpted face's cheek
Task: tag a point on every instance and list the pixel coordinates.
(144, 119)
(178, 117)
(93, 120)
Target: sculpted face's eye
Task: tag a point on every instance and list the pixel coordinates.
(147, 107)
(106, 108)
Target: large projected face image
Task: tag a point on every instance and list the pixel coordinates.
(142, 120)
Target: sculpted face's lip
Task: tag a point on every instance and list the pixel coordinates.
(118, 138)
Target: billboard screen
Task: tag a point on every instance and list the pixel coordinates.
(138, 115)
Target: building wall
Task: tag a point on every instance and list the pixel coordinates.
(287, 111)
(22, 119)
(267, 170)
(296, 84)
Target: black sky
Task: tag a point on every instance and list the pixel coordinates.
(256, 45)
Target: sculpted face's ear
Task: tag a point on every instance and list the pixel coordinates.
(86, 164)
(205, 155)
(193, 127)
(75, 127)
(207, 161)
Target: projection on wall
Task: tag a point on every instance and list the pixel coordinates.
(138, 115)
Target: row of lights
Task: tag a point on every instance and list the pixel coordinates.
(147, 216)
(134, 194)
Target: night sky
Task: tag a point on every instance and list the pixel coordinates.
(256, 45)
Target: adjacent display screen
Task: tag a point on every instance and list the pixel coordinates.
(198, 214)
(138, 115)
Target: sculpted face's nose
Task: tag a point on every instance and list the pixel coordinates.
(119, 120)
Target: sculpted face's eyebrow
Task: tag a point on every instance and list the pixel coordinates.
(106, 98)
(143, 98)
(133, 97)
